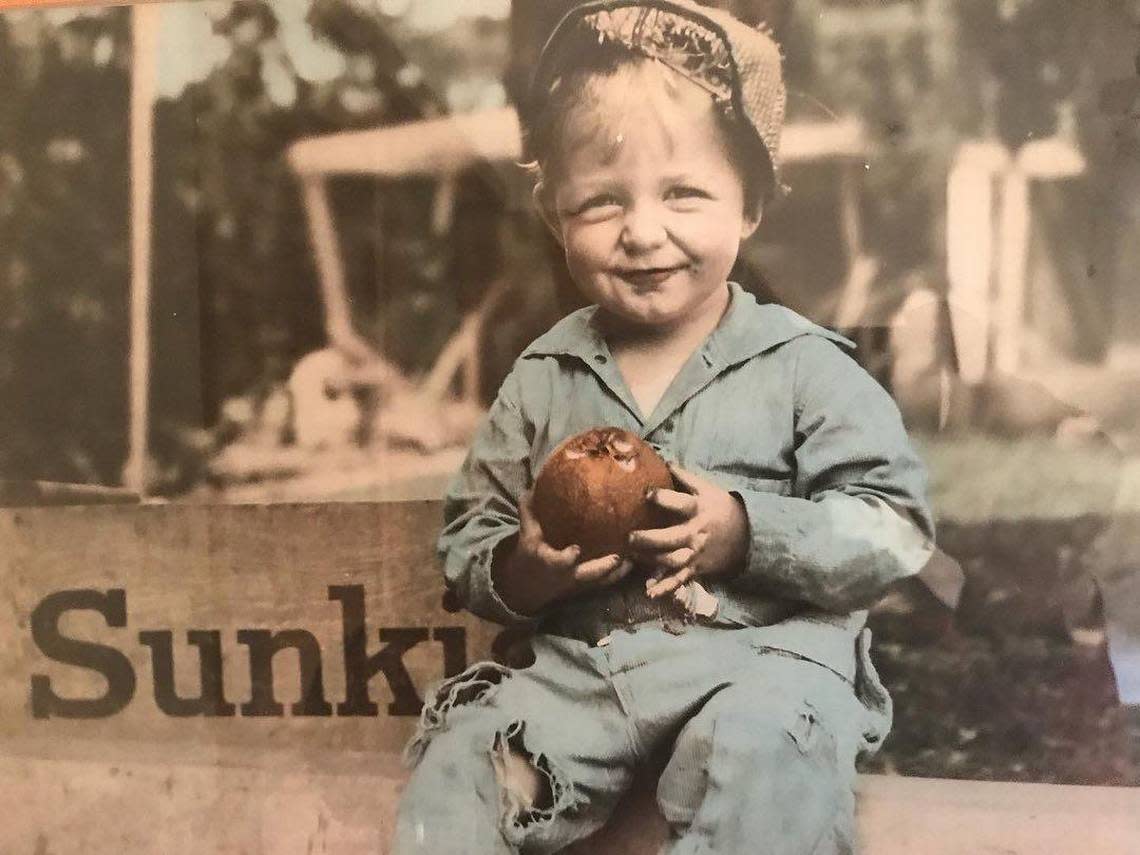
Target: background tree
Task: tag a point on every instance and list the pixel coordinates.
(63, 256)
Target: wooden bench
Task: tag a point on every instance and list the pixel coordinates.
(150, 771)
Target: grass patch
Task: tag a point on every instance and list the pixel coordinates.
(978, 479)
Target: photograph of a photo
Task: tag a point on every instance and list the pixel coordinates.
(722, 414)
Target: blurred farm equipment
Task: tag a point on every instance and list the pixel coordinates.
(961, 360)
(435, 410)
(989, 221)
(439, 409)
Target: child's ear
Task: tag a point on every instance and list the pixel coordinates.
(546, 210)
(751, 221)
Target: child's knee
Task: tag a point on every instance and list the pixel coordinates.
(448, 805)
(504, 791)
(533, 791)
(792, 741)
(486, 770)
(742, 747)
(752, 769)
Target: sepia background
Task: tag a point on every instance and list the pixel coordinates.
(260, 252)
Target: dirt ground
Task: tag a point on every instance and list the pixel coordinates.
(1009, 708)
(1017, 685)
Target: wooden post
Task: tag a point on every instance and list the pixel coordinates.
(144, 41)
(334, 292)
(1012, 266)
(972, 202)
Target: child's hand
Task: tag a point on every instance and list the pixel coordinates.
(712, 536)
(537, 574)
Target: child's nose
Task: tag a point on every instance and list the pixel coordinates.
(643, 228)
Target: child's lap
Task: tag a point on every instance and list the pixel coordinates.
(597, 712)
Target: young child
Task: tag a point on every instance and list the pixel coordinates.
(740, 651)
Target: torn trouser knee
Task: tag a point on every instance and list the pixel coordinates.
(771, 767)
(719, 755)
(475, 685)
(532, 790)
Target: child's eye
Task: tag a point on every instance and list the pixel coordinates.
(601, 206)
(685, 191)
(602, 200)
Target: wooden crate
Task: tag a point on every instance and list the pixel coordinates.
(282, 765)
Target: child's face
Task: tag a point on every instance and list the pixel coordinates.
(647, 202)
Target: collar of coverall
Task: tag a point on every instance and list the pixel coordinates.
(747, 329)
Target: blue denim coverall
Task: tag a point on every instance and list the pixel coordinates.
(764, 722)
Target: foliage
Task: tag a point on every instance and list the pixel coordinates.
(236, 297)
(63, 253)
(255, 272)
(235, 292)
(926, 74)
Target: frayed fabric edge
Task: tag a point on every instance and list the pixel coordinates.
(521, 813)
(474, 685)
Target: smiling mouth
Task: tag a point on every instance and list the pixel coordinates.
(644, 276)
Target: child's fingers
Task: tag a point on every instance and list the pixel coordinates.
(561, 558)
(528, 522)
(596, 569)
(617, 574)
(624, 569)
(654, 540)
(677, 559)
(690, 481)
(675, 501)
(659, 587)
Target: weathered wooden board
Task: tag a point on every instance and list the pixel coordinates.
(142, 773)
(105, 754)
(227, 802)
(97, 599)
